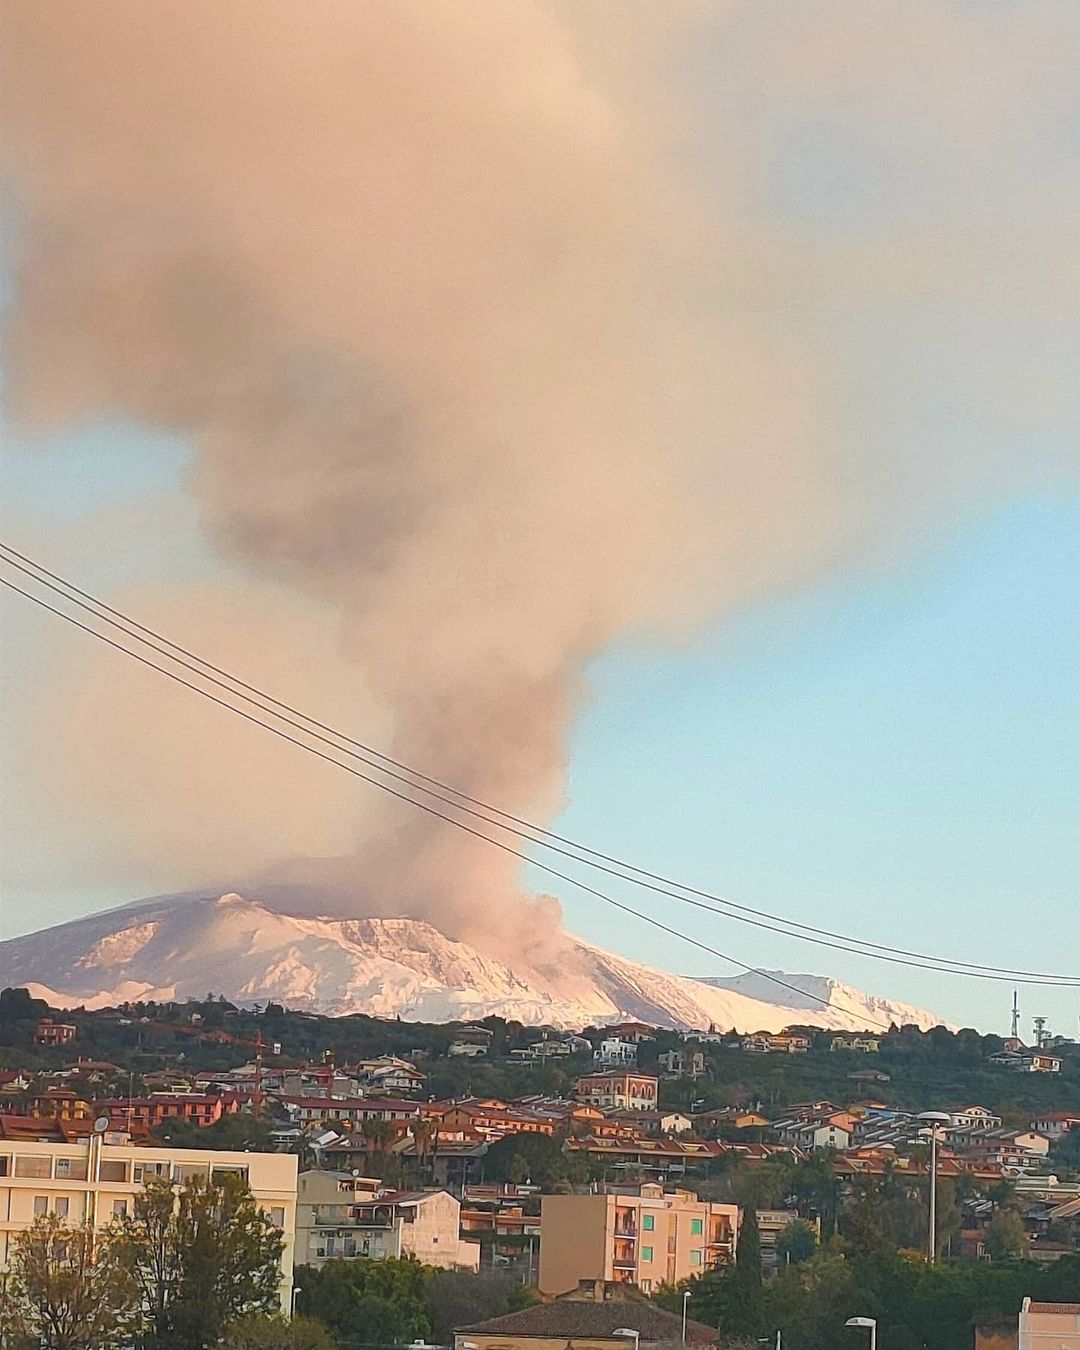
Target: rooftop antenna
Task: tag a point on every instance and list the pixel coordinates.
(1016, 1015)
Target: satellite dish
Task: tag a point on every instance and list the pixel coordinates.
(101, 1124)
(356, 1171)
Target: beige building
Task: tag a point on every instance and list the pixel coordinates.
(619, 1090)
(1049, 1326)
(644, 1237)
(341, 1216)
(96, 1179)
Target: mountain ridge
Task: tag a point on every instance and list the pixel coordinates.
(179, 946)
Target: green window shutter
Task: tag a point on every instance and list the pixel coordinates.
(696, 1227)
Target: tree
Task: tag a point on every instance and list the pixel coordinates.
(745, 1316)
(797, 1242)
(66, 1289)
(366, 1299)
(533, 1157)
(258, 1331)
(201, 1256)
(1006, 1237)
(455, 1298)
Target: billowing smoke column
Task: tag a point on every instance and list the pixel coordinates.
(460, 359)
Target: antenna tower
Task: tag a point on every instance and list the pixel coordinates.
(1016, 1014)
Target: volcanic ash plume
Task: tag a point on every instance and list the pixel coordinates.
(461, 362)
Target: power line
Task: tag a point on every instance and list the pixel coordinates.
(423, 806)
(530, 832)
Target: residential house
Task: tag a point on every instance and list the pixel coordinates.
(973, 1118)
(612, 1051)
(387, 1074)
(619, 1090)
(1027, 1061)
(636, 1032)
(859, 1044)
(490, 1119)
(197, 1108)
(683, 1063)
(54, 1033)
(355, 1110)
(781, 1043)
(815, 1132)
(340, 1216)
(596, 1316)
(61, 1102)
(1055, 1125)
(645, 1236)
(771, 1223)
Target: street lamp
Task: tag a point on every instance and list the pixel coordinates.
(292, 1300)
(685, 1301)
(865, 1322)
(628, 1331)
(933, 1119)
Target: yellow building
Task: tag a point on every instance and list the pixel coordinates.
(645, 1237)
(96, 1179)
(341, 1216)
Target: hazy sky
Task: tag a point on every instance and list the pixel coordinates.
(880, 734)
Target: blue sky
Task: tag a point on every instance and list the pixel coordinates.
(886, 740)
(893, 757)
(891, 753)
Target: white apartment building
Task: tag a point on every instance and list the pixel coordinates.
(341, 1216)
(96, 1179)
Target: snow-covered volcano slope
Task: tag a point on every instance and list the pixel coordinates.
(250, 951)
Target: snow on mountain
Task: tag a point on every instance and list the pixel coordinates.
(177, 947)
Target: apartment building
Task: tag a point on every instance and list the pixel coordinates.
(341, 1216)
(619, 1090)
(644, 1236)
(96, 1178)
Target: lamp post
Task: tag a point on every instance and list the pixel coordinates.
(685, 1301)
(635, 1336)
(933, 1119)
(292, 1300)
(865, 1322)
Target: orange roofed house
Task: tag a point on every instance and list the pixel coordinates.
(644, 1236)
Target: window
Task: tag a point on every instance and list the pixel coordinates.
(33, 1165)
(277, 1216)
(696, 1228)
(648, 1223)
(61, 1206)
(41, 1204)
(119, 1209)
(646, 1253)
(695, 1258)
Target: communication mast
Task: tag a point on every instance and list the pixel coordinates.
(1016, 1015)
(1040, 1031)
